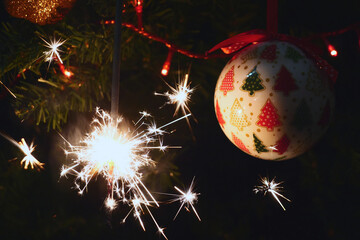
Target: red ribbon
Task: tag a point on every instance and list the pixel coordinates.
(245, 39)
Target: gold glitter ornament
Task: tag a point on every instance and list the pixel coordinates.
(39, 11)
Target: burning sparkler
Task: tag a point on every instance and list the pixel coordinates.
(29, 159)
(272, 187)
(119, 155)
(53, 52)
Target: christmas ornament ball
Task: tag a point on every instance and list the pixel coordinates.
(272, 101)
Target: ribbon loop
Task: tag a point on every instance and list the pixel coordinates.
(241, 41)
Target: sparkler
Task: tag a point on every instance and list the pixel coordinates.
(28, 159)
(272, 187)
(119, 154)
(53, 51)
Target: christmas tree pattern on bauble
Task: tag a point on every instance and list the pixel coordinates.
(284, 82)
(252, 82)
(314, 82)
(237, 116)
(282, 145)
(325, 116)
(302, 117)
(269, 117)
(227, 83)
(269, 53)
(259, 146)
(219, 115)
(291, 53)
(239, 143)
(250, 55)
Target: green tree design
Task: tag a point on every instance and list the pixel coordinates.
(293, 54)
(259, 146)
(253, 82)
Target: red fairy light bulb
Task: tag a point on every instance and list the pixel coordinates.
(67, 73)
(64, 71)
(165, 70)
(137, 3)
(332, 50)
(167, 63)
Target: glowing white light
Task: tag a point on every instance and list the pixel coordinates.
(29, 159)
(53, 52)
(272, 187)
(119, 154)
(110, 203)
(180, 95)
(187, 199)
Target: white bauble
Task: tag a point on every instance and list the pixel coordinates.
(272, 101)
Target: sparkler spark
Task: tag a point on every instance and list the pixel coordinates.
(28, 159)
(110, 203)
(53, 52)
(119, 155)
(187, 198)
(272, 187)
(180, 95)
(7, 89)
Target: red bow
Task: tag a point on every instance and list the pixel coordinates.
(242, 40)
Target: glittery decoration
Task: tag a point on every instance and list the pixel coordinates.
(39, 11)
(237, 116)
(227, 84)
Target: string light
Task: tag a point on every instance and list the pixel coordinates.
(166, 66)
(138, 5)
(64, 71)
(330, 48)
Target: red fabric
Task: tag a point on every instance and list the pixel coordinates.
(282, 145)
(285, 82)
(242, 40)
(272, 16)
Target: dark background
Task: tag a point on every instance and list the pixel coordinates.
(323, 183)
